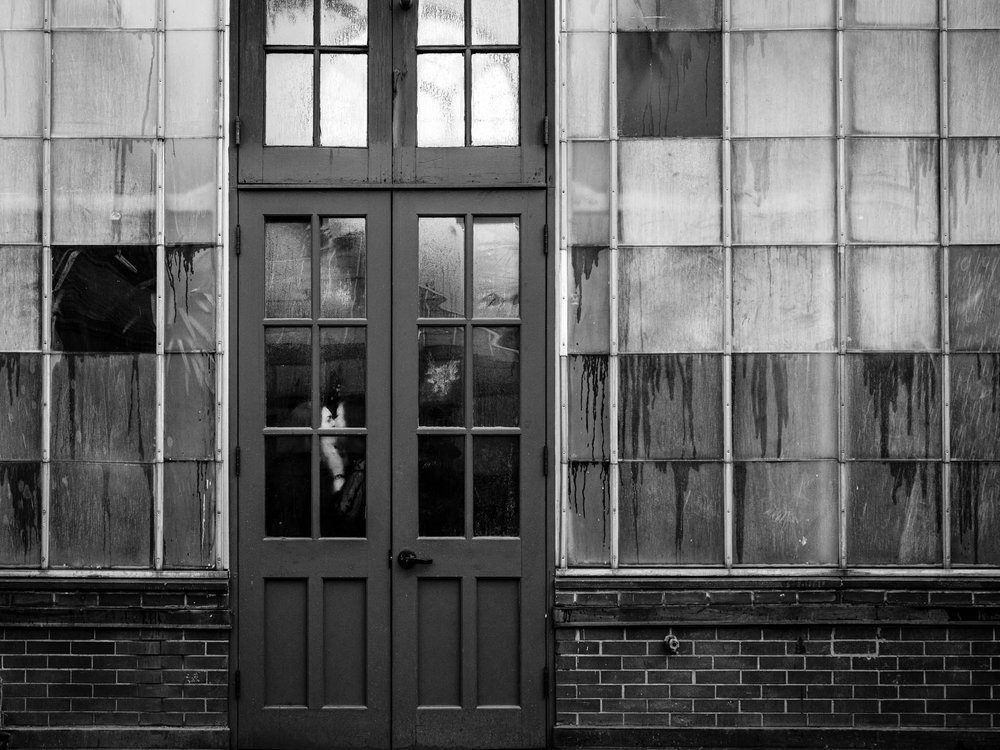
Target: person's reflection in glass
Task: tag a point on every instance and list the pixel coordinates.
(342, 471)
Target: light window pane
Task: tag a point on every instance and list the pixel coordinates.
(287, 269)
(784, 191)
(496, 111)
(441, 100)
(441, 376)
(343, 23)
(586, 85)
(189, 414)
(441, 485)
(343, 100)
(133, 14)
(589, 299)
(189, 299)
(921, 13)
(192, 190)
(972, 71)
(21, 509)
(22, 71)
(974, 305)
(670, 299)
(974, 166)
(192, 14)
(496, 276)
(288, 115)
(973, 14)
(288, 377)
(342, 486)
(496, 369)
(975, 513)
(343, 267)
(343, 368)
(289, 22)
(672, 15)
(892, 189)
(588, 15)
(191, 83)
(783, 83)
(975, 406)
(588, 414)
(494, 21)
(780, 14)
(20, 288)
(441, 264)
(104, 191)
(670, 513)
(20, 190)
(189, 493)
(587, 528)
(670, 192)
(20, 407)
(496, 485)
(589, 191)
(441, 22)
(785, 513)
(21, 14)
(287, 486)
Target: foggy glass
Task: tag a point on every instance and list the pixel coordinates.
(343, 100)
(22, 71)
(496, 376)
(974, 307)
(891, 13)
(588, 411)
(588, 300)
(343, 369)
(586, 77)
(23, 14)
(288, 112)
(191, 89)
(587, 193)
(288, 377)
(343, 267)
(588, 15)
(190, 412)
(289, 22)
(973, 70)
(190, 298)
(20, 190)
(287, 269)
(20, 288)
(133, 14)
(441, 100)
(776, 14)
(974, 170)
(669, 15)
(191, 14)
(441, 376)
(588, 521)
(496, 273)
(494, 21)
(441, 266)
(343, 23)
(191, 190)
(496, 110)
(973, 14)
(440, 22)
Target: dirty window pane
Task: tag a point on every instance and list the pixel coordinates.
(891, 82)
(287, 269)
(589, 190)
(343, 100)
(189, 514)
(192, 190)
(892, 189)
(104, 407)
(287, 486)
(669, 84)
(441, 267)
(343, 23)
(494, 21)
(101, 515)
(496, 244)
(589, 312)
(103, 299)
(588, 407)
(189, 414)
(343, 265)
(288, 376)
(22, 71)
(342, 486)
(189, 299)
(670, 192)
(20, 407)
(891, 13)
(670, 406)
(441, 100)
(441, 485)
(191, 83)
(20, 288)
(192, 14)
(670, 299)
(21, 14)
(586, 78)
(21, 509)
(975, 406)
(975, 513)
(20, 190)
(496, 485)
(496, 369)
(784, 190)
(496, 113)
(783, 83)
(670, 513)
(587, 527)
(672, 15)
(974, 166)
(103, 191)
(785, 406)
(289, 22)
(784, 298)
(133, 14)
(343, 369)
(785, 513)
(892, 298)
(441, 376)
(893, 406)
(973, 14)
(893, 513)
(288, 114)
(778, 14)
(589, 15)
(974, 306)
(441, 22)
(972, 71)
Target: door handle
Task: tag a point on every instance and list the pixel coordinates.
(408, 558)
(405, 4)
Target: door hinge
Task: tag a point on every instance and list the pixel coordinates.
(237, 460)
(545, 683)
(545, 130)
(237, 684)
(236, 131)
(545, 460)
(238, 240)
(545, 239)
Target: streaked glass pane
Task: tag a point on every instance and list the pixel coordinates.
(190, 411)
(289, 22)
(288, 113)
(189, 496)
(22, 72)
(288, 376)
(972, 71)
(496, 276)
(494, 21)
(191, 83)
(441, 485)
(20, 408)
(891, 12)
(343, 23)
(782, 14)
(669, 15)
(191, 190)
(588, 523)
(342, 486)
(192, 14)
(670, 299)
(586, 82)
(496, 485)
(441, 271)
(190, 299)
(343, 100)
(287, 269)
(975, 513)
(974, 306)
(20, 288)
(588, 408)
(21, 190)
(132, 14)
(440, 22)
(973, 14)
(441, 100)
(21, 14)
(21, 511)
(974, 166)
(588, 15)
(343, 265)
(343, 368)
(975, 406)
(441, 376)
(589, 299)
(589, 190)
(496, 110)
(287, 486)
(496, 373)
(670, 513)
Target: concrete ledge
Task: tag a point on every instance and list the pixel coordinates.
(167, 738)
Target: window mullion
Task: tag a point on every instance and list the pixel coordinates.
(46, 281)
(727, 316)
(944, 280)
(614, 482)
(841, 298)
(160, 289)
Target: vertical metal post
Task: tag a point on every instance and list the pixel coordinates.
(221, 556)
(45, 322)
(945, 231)
(727, 244)
(841, 286)
(161, 262)
(562, 281)
(613, 362)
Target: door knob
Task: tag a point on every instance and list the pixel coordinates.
(408, 558)
(405, 4)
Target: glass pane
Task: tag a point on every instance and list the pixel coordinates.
(784, 298)
(494, 21)
(21, 511)
(20, 288)
(974, 306)
(441, 484)
(441, 22)
(22, 72)
(893, 513)
(101, 515)
(974, 166)
(441, 100)
(972, 70)
(670, 513)
(496, 288)
(891, 12)
(892, 189)
(103, 299)
(189, 514)
(589, 299)
(975, 513)
(893, 406)
(288, 376)
(343, 100)
(343, 23)
(496, 371)
(669, 15)
(670, 192)
(586, 85)
(104, 191)
(189, 299)
(496, 112)
(20, 412)
(892, 298)
(669, 84)
(587, 408)
(342, 372)
(192, 190)
(785, 190)
(289, 22)
(441, 376)
(133, 14)
(343, 267)
(783, 14)
(784, 83)
(21, 190)
(975, 406)
(287, 269)
(21, 14)
(891, 82)
(191, 86)
(785, 513)
(287, 486)
(189, 399)
(192, 14)
(587, 526)
(973, 14)
(104, 407)
(441, 267)
(342, 486)
(785, 406)
(589, 172)
(587, 14)
(670, 406)
(496, 486)
(288, 115)
(670, 299)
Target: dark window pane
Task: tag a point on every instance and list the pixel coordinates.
(975, 513)
(589, 304)
(441, 376)
(20, 288)
(342, 485)
(189, 514)
(189, 300)
(441, 260)
(343, 367)
(189, 397)
(496, 272)
(288, 376)
(588, 523)
(103, 299)
(670, 83)
(496, 485)
(664, 15)
(974, 309)
(670, 513)
(975, 406)
(20, 402)
(287, 486)
(20, 514)
(441, 485)
(496, 367)
(588, 408)
(288, 269)
(343, 267)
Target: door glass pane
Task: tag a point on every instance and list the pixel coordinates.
(288, 113)
(289, 22)
(21, 190)
(191, 190)
(343, 23)
(654, 15)
(975, 513)
(22, 71)
(496, 485)
(189, 492)
(494, 21)
(441, 271)
(134, 14)
(975, 406)
(440, 99)
(21, 508)
(440, 22)
(589, 300)
(588, 408)
(288, 376)
(496, 368)
(586, 75)
(441, 485)
(288, 269)
(974, 309)
(784, 14)
(20, 288)
(287, 485)
(342, 371)
(588, 526)
(441, 376)
(20, 412)
(189, 399)
(191, 93)
(496, 112)
(589, 190)
(496, 288)
(343, 100)
(189, 299)
(342, 485)
(343, 265)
